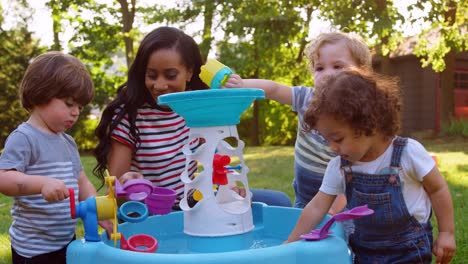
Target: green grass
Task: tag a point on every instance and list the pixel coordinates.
(272, 168)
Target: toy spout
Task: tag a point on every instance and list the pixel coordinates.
(94, 209)
(214, 73)
(86, 210)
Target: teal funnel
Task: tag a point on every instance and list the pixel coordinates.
(207, 108)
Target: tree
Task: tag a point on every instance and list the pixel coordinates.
(376, 21)
(128, 16)
(17, 49)
(266, 39)
(103, 38)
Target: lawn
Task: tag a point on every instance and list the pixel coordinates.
(272, 168)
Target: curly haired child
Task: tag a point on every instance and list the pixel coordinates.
(358, 112)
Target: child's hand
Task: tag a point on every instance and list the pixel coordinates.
(239, 190)
(130, 175)
(54, 190)
(444, 247)
(107, 225)
(234, 81)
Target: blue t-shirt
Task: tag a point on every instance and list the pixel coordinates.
(40, 227)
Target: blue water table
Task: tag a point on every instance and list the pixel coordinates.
(221, 226)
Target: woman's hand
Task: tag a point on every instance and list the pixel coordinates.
(130, 175)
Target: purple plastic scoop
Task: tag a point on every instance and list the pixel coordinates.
(134, 189)
(321, 233)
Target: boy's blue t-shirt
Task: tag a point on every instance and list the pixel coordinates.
(311, 151)
(40, 227)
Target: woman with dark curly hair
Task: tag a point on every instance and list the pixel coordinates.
(358, 113)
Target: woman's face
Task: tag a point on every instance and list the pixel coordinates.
(166, 73)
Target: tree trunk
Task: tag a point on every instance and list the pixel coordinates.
(128, 16)
(385, 59)
(207, 26)
(56, 26)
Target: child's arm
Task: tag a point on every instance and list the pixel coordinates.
(85, 187)
(273, 90)
(338, 205)
(439, 194)
(312, 215)
(15, 183)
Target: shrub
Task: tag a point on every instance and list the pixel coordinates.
(83, 133)
(456, 127)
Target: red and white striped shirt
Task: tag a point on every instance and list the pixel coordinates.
(158, 153)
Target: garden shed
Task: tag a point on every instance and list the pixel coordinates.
(421, 88)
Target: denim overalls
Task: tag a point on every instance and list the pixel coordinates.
(391, 234)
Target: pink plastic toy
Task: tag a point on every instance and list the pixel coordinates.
(161, 200)
(323, 232)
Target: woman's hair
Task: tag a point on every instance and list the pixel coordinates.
(358, 48)
(55, 75)
(367, 101)
(134, 94)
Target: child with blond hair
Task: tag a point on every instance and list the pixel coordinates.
(329, 53)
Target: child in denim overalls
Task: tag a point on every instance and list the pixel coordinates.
(357, 112)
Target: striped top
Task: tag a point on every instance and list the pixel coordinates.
(311, 150)
(158, 153)
(40, 227)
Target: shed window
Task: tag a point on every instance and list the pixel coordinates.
(461, 79)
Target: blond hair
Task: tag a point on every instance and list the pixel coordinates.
(358, 48)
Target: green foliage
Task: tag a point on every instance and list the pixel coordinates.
(447, 33)
(17, 49)
(375, 21)
(280, 124)
(270, 40)
(83, 133)
(262, 39)
(99, 33)
(456, 127)
(98, 42)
